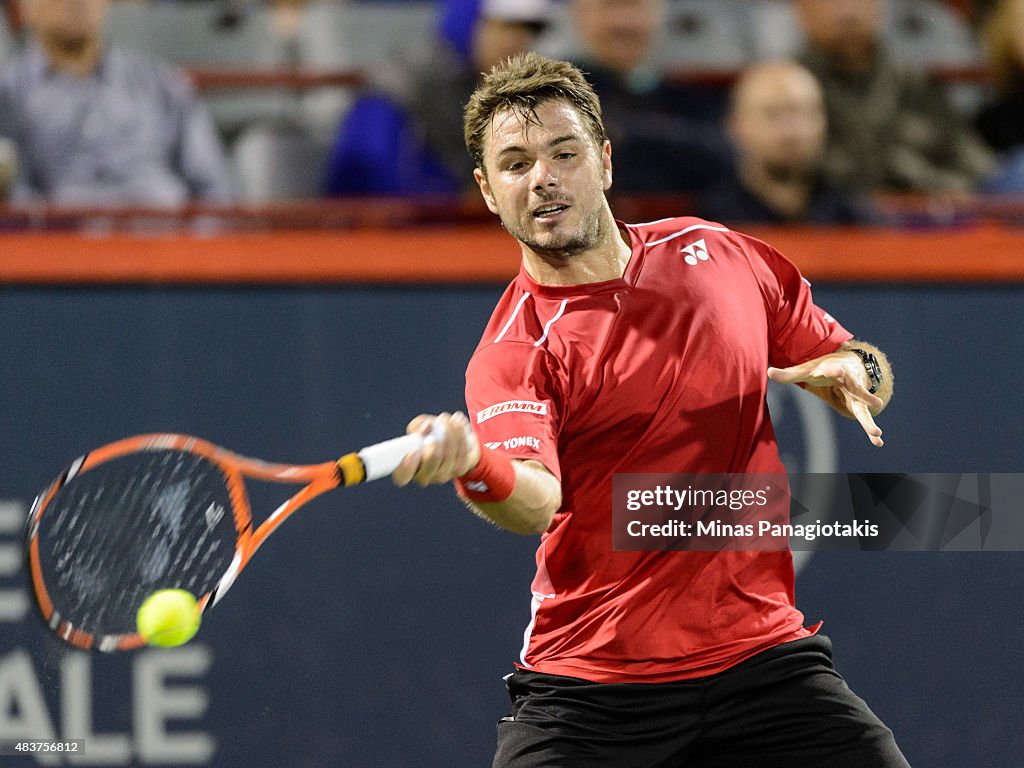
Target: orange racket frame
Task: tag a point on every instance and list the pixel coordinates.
(370, 463)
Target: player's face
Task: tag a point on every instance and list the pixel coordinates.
(546, 178)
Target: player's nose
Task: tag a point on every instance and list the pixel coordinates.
(543, 175)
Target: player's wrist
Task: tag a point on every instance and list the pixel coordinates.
(872, 375)
(491, 480)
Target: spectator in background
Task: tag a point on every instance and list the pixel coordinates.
(1001, 120)
(667, 137)
(778, 129)
(404, 137)
(101, 126)
(890, 128)
(8, 166)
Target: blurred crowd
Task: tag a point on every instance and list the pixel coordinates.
(745, 110)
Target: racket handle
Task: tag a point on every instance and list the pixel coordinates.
(381, 459)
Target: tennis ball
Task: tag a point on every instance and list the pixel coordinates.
(168, 617)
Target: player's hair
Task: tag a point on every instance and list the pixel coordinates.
(521, 84)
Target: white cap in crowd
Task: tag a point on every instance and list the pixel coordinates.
(517, 10)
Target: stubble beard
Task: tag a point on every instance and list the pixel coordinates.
(587, 236)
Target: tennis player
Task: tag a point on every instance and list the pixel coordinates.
(641, 348)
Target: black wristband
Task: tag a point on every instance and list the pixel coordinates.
(871, 366)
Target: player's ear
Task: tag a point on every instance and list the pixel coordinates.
(606, 162)
(485, 189)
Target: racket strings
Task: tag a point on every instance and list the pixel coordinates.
(132, 525)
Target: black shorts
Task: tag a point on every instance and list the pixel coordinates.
(784, 708)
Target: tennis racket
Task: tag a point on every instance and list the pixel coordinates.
(162, 511)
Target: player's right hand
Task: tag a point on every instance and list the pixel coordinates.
(450, 450)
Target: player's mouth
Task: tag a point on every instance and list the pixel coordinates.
(549, 212)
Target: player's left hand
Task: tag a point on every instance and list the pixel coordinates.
(843, 374)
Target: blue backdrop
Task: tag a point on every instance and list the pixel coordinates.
(373, 629)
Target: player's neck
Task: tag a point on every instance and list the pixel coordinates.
(605, 261)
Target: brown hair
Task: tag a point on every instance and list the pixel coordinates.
(521, 84)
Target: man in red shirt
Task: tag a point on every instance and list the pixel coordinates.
(641, 349)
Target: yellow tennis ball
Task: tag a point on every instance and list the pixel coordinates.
(168, 617)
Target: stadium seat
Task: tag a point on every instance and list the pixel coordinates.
(774, 29)
(337, 35)
(558, 39)
(193, 33)
(930, 33)
(7, 41)
(274, 163)
(699, 35)
(197, 35)
(924, 33)
(927, 33)
(341, 35)
(704, 34)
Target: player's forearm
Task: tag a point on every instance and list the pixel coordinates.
(536, 497)
(521, 496)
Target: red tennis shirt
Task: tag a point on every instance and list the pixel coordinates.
(663, 370)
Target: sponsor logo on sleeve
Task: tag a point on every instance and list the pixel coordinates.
(515, 443)
(510, 406)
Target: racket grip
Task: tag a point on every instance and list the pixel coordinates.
(381, 459)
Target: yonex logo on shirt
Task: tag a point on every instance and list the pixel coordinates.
(695, 251)
(525, 441)
(524, 406)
